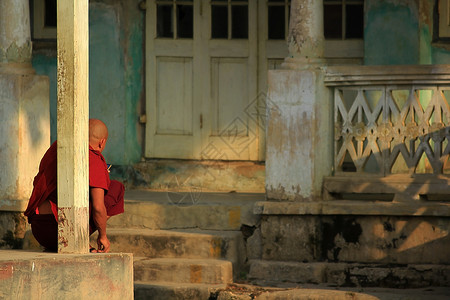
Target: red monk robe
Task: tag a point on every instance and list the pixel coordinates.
(45, 226)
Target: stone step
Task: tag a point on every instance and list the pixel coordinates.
(350, 274)
(181, 210)
(174, 291)
(176, 244)
(180, 270)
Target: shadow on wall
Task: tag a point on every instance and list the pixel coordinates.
(392, 167)
(406, 220)
(25, 134)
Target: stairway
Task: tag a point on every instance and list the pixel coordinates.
(183, 249)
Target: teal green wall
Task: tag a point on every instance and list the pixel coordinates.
(425, 45)
(391, 33)
(45, 64)
(116, 69)
(400, 32)
(431, 52)
(440, 56)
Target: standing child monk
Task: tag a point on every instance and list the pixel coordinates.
(105, 195)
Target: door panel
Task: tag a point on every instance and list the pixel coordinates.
(229, 91)
(171, 129)
(174, 97)
(206, 88)
(231, 130)
(232, 84)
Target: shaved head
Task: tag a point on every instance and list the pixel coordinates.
(98, 134)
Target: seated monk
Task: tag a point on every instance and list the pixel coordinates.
(105, 195)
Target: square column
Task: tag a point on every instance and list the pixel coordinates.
(72, 126)
(24, 108)
(299, 132)
(299, 140)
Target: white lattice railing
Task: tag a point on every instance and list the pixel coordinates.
(391, 120)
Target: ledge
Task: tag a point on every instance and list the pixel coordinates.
(376, 75)
(31, 275)
(354, 207)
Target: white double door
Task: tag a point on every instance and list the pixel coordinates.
(205, 96)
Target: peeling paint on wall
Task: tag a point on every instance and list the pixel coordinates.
(116, 76)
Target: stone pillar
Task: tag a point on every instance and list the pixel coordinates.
(299, 145)
(15, 38)
(72, 126)
(24, 108)
(305, 40)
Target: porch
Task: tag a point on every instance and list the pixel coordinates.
(189, 245)
(357, 172)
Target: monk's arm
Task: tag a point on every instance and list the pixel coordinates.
(100, 217)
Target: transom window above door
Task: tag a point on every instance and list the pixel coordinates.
(229, 19)
(343, 19)
(278, 12)
(175, 19)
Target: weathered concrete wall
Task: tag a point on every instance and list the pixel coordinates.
(362, 239)
(45, 64)
(355, 275)
(116, 71)
(402, 32)
(13, 226)
(391, 32)
(116, 89)
(24, 136)
(34, 275)
(299, 139)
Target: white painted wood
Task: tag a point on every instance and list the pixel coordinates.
(344, 49)
(196, 89)
(444, 18)
(228, 79)
(72, 126)
(229, 91)
(171, 129)
(228, 48)
(174, 96)
(233, 87)
(167, 47)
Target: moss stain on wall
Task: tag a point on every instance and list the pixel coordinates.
(391, 33)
